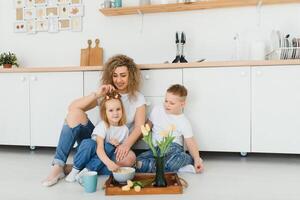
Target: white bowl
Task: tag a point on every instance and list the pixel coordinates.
(123, 174)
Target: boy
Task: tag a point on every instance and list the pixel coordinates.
(162, 117)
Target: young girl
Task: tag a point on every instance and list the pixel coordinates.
(108, 134)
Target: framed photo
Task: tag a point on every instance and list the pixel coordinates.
(76, 24)
(51, 11)
(29, 13)
(63, 1)
(41, 25)
(19, 14)
(20, 27)
(30, 3)
(64, 24)
(51, 2)
(76, 10)
(19, 3)
(76, 1)
(40, 12)
(40, 2)
(30, 24)
(63, 11)
(53, 25)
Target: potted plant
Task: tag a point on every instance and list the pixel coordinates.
(8, 60)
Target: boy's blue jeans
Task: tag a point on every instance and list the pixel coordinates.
(175, 158)
(67, 139)
(86, 157)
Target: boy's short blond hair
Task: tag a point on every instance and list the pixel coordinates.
(178, 90)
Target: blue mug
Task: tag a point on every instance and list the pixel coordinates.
(89, 181)
(118, 3)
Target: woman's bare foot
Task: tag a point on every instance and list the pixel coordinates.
(55, 175)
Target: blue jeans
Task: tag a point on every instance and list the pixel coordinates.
(175, 158)
(86, 157)
(67, 139)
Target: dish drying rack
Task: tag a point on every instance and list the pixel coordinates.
(284, 53)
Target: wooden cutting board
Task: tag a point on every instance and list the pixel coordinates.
(96, 55)
(85, 55)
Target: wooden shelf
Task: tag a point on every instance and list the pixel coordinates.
(205, 4)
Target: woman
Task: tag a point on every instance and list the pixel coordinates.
(120, 73)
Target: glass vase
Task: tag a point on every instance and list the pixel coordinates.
(160, 180)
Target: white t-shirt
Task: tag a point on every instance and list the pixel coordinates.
(120, 133)
(162, 121)
(130, 106)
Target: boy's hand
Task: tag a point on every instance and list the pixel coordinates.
(198, 164)
(112, 166)
(114, 142)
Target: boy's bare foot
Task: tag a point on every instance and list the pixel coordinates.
(55, 175)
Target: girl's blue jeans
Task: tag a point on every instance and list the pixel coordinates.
(86, 157)
(175, 158)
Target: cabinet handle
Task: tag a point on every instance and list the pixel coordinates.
(147, 76)
(34, 78)
(23, 78)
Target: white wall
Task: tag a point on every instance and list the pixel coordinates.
(209, 33)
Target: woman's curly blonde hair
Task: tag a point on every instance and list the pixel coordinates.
(134, 79)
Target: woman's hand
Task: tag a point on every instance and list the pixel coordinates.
(104, 89)
(198, 164)
(121, 151)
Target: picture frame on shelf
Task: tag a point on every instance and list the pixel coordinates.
(52, 11)
(20, 27)
(52, 24)
(40, 12)
(63, 11)
(19, 3)
(42, 25)
(19, 14)
(30, 24)
(29, 13)
(76, 24)
(76, 10)
(64, 24)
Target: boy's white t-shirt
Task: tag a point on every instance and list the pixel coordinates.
(162, 121)
(120, 133)
(130, 106)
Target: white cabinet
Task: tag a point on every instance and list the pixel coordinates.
(91, 84)
(14, 109)
(50, 95)
(218, 107)
(276, 109)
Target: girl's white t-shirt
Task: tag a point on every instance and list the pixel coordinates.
(120, 133)
(162, 121)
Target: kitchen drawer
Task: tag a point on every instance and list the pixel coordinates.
(151, 101)
(156, 82)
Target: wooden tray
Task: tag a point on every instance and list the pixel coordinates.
(174, 185)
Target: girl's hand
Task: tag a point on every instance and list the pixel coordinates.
(104, 89)
(112, 166)
(198, 164)
(121, 151)
(114, 142)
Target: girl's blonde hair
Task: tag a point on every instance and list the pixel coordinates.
(134, 79)
(108, 97)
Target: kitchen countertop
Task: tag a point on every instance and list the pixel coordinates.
(204, 64)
